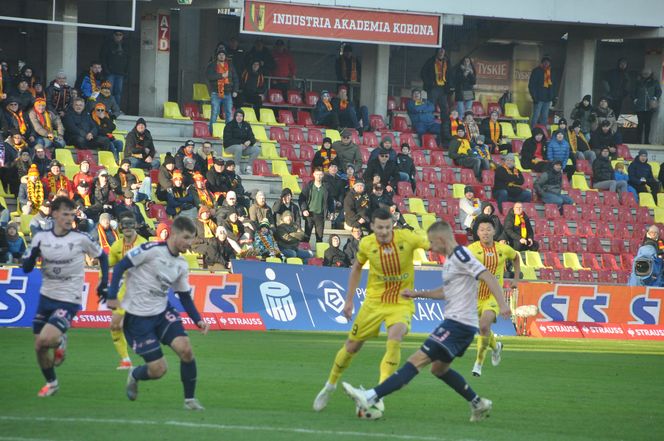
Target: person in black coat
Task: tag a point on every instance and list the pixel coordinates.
(602, 137)
(508, 184)
(640, 175)
(114, 56)
(386, 169)
(518, 230)
(487, 210)
(217, 181)
(533, 152)
(542, 91)
(616, 85)
(356, 208)
(285, 203)
(406, 166)
(464, 83)
(239, 141)
(139, 147)
(436, 76)
(81, 131)
(336, 192)
(334, 256)
(254, 86)
(353, 244)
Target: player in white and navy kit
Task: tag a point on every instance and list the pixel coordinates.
(150, 270)
(452, 337)
(62, 251)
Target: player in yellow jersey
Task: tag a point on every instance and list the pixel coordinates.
(390, 255)
(493, 255)
(130, 239)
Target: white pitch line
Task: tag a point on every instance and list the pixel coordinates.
(19, 438)
(196, 425)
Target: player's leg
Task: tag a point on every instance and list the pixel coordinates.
(141, 333)
(181, 345)
(48, 337)
(487, 317)
(119, 339)
(479, 407)
(397, 323)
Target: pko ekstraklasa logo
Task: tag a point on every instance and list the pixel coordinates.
(331, 299)
(277, 298)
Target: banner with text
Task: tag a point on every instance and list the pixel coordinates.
(300, 297)
(215, 295)
(342, 24)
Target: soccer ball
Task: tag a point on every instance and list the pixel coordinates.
(373, 413)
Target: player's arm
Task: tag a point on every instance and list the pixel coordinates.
(497, 291)
(118, 270)
(102, 288)
(353, 283)
(30, 257)
(437, 293)
(192, 312)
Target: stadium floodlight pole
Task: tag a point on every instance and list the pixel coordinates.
(53, 21)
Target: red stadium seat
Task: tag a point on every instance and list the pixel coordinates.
(567, 274)
(517, 144)
(547, 274)
(592, 199)
(488, 177)
(607, 215)
(296, 135)
(429, 175)
(275, 96)
(87, 155)
(429, 141)
(627, 199)
(306, 153)
(590, 261)
(605, 276)
(423, 192)
(576, 196)
(304, 118)
(202, 130)
(494, 106)
(315, 261)
(261, 168)
(287, 151)
(440, 191)
(377, 122)
(419, 159)
(191, 110)
(544, 129)
(154, 175)
(583, 228)
(314, 136)
(620, 231)
(635, 244)
(404, 189)
(391, 136)
(570, 212)
(157, 211)
(299, 168)
(528, 181)
(461, 239)
(437, 158)
(311, 98)
(574, 244)
(617, 246)
(556, 243)
(594, 245)
(586, 276)
(278, 134)
(551, 211)
(447, 176)
(294, 97)
(403, 102)
(623, 152)
(626, 261)
(623, 277)
(391, 104)
(551, 259)
(583, 165)
(478, 110)
(400, 124)
(369, 139)
(410, 139)
(540, 225)
(643, 214)
(609, 262)
(610, 199)
(286, 117)
(468, 177)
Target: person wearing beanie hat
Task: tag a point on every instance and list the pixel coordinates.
(139, 147)
(347, 151)
(603, 174)
(31, 193)
(461, 153)
(239, 141)
(162, 232)
(56, 180)
(253, 85)
(111, 102)
(605, 113)
(202, 196)
(549, 185)
(586, 114)
(493, 133)
(325, 156)
(188, 151)
(14, 244)
(542, 91)
(347, 66)
(349, 114)
(385, 144)
(580, 148)
(469, 207)
(436, 75)
(483, 151)
(16, 118)
(603, 137)
(285, 203)
(324, 113)
(289, 235)
(421, 115)
(406, 166)
(106, 127)
(641, 176)
(508, 183)
(558, 149)
(47, 128)
(83, 174)
(181, 198)
(223, 83)
(217, 181)
(264, 243)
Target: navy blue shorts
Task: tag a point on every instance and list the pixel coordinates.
(55, 312)
(449, 340)
(146, 334)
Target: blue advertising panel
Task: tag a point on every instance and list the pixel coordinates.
(301, 297)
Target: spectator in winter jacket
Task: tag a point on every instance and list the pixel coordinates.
(640, 175)
(461, 153)
(353, 244)
(347, 151)
(605, 113)
(80, 129)
(164, 180)
(518, 230)
(549, 186)
(260, 211)
(240, 142)
(448, 128)
(108, 100)
(558, 150)
(224, 83)
(139, 147)
(379, 199)
(324, 113)
(314, 204)
(325, 156)
(386, 169)
(542, 91)
(464, 83)
(483, 151)
(46, 126)
(356, 208)
(348, 66)
(216, 178)
(114, 56)
(202, 196)
(205, 157)
(89, 81)
(289, 236)
(106, 126)
(349, 115)
(385, 144)
(616, 86)
(285, 203)
(180, 199)
(284, 66)
(56, 180)
(646, 95)
(603, 174)
(336, 192)
(254, 86)
(333, 255)
(41, 160)
(16, 119)
(406, 166)
(578, 143)
(261, 53)
(421, 115)
(23, 95)
(264, 242)
(15, 244)
(508, 184)
(585, 113)
(58, 95)
(493, 134)
(621, 175)
(187, 151)
(469, 207)
(436, 76)
(602, 137)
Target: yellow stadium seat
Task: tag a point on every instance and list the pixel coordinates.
(250, 115)
(517, 164)
(655, 168)
(162, 156)
(172, 111)
(294, 261)
(107, 159)
(5, 193)
(416, 205)
(428, 219)
(458, 190)
(571, 260)
(192, 260)
(508, 130)
(65, 157)
(646, 200)
(269, 151)
(207, 111)
(523, 131)
(659, 215)
(528, 273)
(218, 129)
(267, 117)
(70, 171)
(119, 137)
(411, 220)
(534, 260)
(259, 133)
(140, 174)
(321, 247)
(553, 128)
(512, 111)
(579, 182)
(273, 260)
(333, 134)
(201, 92)
(291, 182)
(25, 224)
(280, 168)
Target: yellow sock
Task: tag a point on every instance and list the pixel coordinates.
(341, 363)
(482, 345)
(492, 340)
(391, 359)
(120, 343)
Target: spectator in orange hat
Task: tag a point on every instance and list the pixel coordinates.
(47, 128)
(108, 100)
(31, 193)
(106, 126)
(202, 196)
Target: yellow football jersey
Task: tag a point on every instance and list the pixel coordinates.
(119, 249)
(391, 264)
(494, 259)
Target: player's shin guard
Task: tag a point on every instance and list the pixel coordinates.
(120, 343)
(341, 363)
(391, 359)
(140, 373)
(482, 345)
(456, 381)
(188, 377)
(397, 380)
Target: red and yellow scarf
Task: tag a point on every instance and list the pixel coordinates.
(343, 104)
(494, 128)
(44, 119)
(573, 140)
(440, 67)
(328, 156)
(222, 68)
(93, 83)
(259, 82)
(520, 220)
(103, 238)
(20, 120)
(547, 77)
(35, 194)
(327, 104)
(353, 68)
(56, 183)
(209, 228)
(205, 197)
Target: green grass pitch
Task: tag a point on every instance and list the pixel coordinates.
(260, 386)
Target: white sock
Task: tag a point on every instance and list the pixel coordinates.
(330, 386)
(371, 396)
